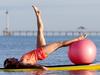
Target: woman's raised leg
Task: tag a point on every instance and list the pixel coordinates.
(40, 32)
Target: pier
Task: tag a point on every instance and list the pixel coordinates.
(49, 33)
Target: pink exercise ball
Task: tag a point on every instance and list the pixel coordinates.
(82, 52)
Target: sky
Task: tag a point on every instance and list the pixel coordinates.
(57, 15)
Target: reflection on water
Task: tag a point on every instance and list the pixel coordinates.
(39, 72)
(81, 72)
(84, 72)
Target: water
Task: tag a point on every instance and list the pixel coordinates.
(15, 46)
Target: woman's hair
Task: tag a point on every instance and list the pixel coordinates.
(11, 63)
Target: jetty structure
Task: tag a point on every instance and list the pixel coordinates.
(49, 33)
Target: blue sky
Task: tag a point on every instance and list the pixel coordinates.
(61, 15)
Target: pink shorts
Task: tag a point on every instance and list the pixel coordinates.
(33, 56)
(39, 54)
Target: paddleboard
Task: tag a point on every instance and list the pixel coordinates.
(58, 68)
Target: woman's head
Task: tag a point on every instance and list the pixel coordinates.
(11, 63)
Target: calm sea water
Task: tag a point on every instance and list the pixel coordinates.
(15, 46)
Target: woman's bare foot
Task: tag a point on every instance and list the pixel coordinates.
(37, 11)
(83, 36)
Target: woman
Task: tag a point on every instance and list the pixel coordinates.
(29, 59)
